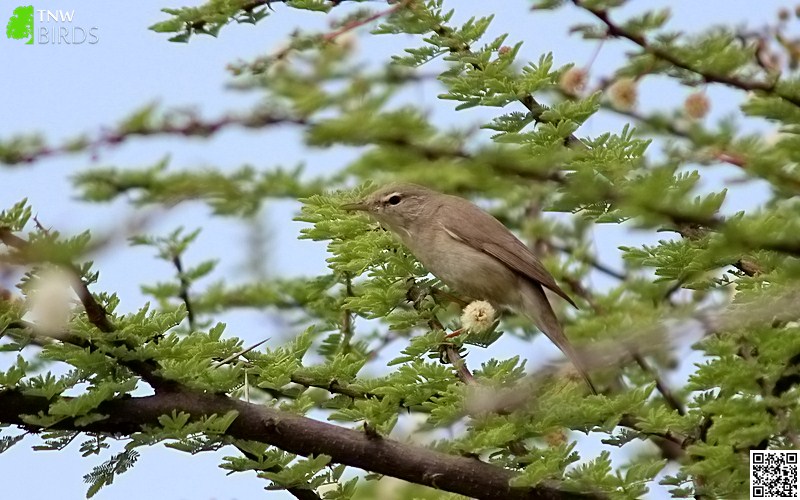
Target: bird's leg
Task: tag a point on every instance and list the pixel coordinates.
(440, 295)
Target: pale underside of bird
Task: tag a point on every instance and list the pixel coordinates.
(473, 253)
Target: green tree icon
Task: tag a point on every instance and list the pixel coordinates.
(20, 25)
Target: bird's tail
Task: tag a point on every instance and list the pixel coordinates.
(538, 309)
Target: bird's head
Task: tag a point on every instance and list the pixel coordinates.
(396, 206)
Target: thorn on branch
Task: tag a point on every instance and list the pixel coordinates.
(371, 432)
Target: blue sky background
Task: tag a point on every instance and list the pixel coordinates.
(64, 90)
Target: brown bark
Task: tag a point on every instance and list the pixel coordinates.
(303, 436)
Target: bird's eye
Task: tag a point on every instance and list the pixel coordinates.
(394, 199)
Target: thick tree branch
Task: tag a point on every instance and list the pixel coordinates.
(144, 368)
(184, 125)
(302, 436)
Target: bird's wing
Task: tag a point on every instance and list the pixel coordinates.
(471, 225)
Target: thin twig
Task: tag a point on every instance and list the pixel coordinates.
(357, 23)
(415, 294)
(592, 261)
(385, 341)
(459, 364)
(347, 318)
(351, 25)
(660, 384)
(183, 292)
(581, 291)
(453, 356)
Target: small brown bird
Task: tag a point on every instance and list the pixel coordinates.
(473, 253)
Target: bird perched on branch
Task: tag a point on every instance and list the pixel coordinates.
(471, 252)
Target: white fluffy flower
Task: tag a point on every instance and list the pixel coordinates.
(478, 316)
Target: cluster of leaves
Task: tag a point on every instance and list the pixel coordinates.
(211, 17)
(741, 395)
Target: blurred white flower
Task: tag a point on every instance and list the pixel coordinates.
(623, 94)
(348, 41)
(50, 302)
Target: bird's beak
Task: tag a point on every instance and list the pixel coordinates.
(359, 205)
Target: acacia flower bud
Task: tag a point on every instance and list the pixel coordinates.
(478, 316)
(696, 105)
(623, 93)
(573, 81)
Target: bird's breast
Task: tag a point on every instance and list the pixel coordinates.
(466, 270)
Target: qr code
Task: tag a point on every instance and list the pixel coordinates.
(773, 474)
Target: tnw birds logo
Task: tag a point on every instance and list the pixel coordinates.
(20, 25)
(52, 27)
